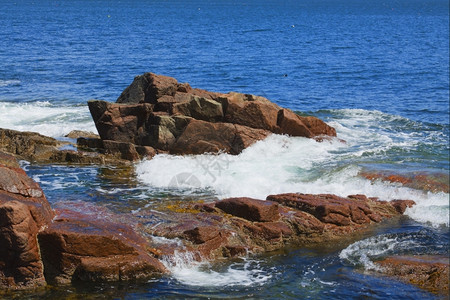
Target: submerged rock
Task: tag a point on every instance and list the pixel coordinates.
(159, 112)
(433, 182)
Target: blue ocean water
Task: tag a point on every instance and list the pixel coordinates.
(378, 71)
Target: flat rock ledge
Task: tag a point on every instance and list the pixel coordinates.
(41, 246)
(428, 272)
(87, 149)
(159, 113)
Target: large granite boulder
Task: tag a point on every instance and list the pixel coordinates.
(159, 112)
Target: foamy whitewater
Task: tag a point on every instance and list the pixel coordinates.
(364, 252)
(281, 164)
(186, 270)
(45, 117)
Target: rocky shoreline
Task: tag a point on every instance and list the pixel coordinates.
(43, 246)
(156, 114)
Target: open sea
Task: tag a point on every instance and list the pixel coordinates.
(377, 71)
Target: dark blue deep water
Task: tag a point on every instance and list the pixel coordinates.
(389, 55)
(376, 70)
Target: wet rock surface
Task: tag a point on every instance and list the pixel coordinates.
(40, 246)
(24, 210)
(433, 182)
(80, 247)
(427, 272)
(159, 112)
(241, 225)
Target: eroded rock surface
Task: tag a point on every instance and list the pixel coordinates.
(24, 211)
(34, 147)
(235, 226)
(41, 246)
(80, 247)
(427, 272)
(159, 112)
(38, 246)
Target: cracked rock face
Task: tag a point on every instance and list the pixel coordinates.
(40, 246)
(157, 111)
(24, 210)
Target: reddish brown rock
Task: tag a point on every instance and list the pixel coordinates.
(121, 123)
(401, 205)
(251, 111)
(200, 235)
(237, 226)
(36, 248)
(327, 208)
(305, 224)
(250, 209)
(83, 248)
(205, 137)
(158, 111)
(24, 210)
(200, 108)
(147, 88)
(427, 272)
(120, 149)
(20, 264)
(317, 126)
(290, 123)
(15, 185)
(434, 182)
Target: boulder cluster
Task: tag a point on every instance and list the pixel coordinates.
(157, 112)
(40, 245)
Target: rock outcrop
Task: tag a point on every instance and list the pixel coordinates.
(34, 147)
(40, 246)
(236, 226)
(428, 272)
(77, 247)
(157, 111)
(24, 211)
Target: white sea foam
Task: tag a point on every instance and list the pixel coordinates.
(282, 164)
(45, 118)
(187, 271)
(362, 253)
(4, 83)
(432, 209)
